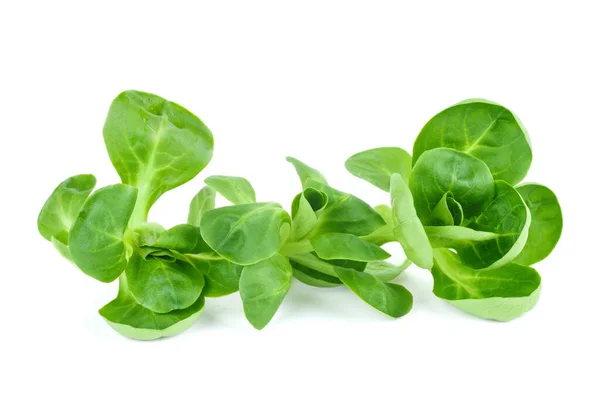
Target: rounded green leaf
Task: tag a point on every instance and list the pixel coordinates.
(234, 188)
(154, 144)
(263, 287)
(62, 207)
(408, 229)
(546, 223)
(509, 218)
(376, 166)
(202, 202)
(162, 286)
(247, 233)
(389, 298)
(343, 246)
(500, 294)
(132, 320)
(440, 172)
(96, 238)
(487, 131)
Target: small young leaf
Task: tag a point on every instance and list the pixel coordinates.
(447, 212)
(389, 298)
(376, 166)
(248, 233)
(202, 202)
(408, 229)
(96, 238)
(442, 171)
(306, 173)
(508, 216)
(62, 207)
(304, 219)
(500, 294)
(336, 246)
(147, 233)
(234, 188)
(162, 286)
(546, 223)
(132, 320)
(487, 131)
(263, 287)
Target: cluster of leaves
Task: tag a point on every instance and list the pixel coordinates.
(458, 210)
(453, 210)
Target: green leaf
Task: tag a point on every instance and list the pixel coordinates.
(304, 219)
(155, 145)
(62, 207)
(447, 212)
(546, 223)
(163, 286)
(222, 279)
(384, 234)
(389, 298)
(306, 173)
(183, 238)
(500, 294)
(248, 233)
(376, 166)
(234, 188)
(386, 271)
(132, 320)
(345, 213)
(487, 131)
(408, 229)
(262, 287)
(96, 238)
(442, 171)
(202, 202)
(508, 216)
(335, 246)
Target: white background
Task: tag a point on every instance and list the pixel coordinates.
(320, 81)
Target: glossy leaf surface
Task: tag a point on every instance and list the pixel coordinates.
(96, 238)
(248, 233)
(202, 202)
(487, 131)
(154, 144)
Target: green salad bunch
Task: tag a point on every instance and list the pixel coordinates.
(454, 209)
(459, 210)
